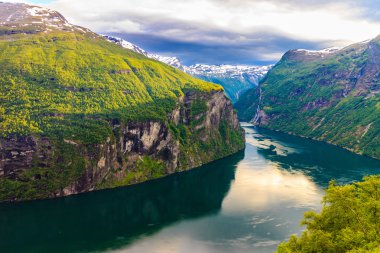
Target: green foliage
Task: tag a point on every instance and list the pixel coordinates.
(41, 182)
(150, 168)
(201, 145)
(49, 80)
(198, 106)
(322, 98)
(72, 88)
(146, 168)
(247, 104)
(348, 222)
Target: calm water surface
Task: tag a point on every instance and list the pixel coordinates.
(249, 202)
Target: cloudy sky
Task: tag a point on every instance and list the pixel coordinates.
(226, 31)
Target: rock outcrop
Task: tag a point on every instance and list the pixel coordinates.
(136, 151)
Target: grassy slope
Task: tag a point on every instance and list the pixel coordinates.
(305, 97)
(74, 75)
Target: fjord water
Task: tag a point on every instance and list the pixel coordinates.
(248, 202)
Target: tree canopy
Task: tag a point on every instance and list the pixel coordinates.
(348, 222)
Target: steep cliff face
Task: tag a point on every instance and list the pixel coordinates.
(329, 95)
(202, 127)
(79, 113)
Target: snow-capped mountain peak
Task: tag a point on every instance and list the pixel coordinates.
(24, 18)
(329, 50)
(232, 71)
(172, 61)
(126, 44)
(236, 79)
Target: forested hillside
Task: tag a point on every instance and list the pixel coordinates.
(330, 95)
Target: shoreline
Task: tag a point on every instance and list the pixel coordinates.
(247, 124)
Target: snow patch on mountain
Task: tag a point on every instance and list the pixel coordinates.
(126, 44)
(231, 71)
(24, 18)
(319, 52)
(37, 11)
(172, 61)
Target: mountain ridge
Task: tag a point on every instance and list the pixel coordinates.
(235, 79)
(331, 96)
(24, 18)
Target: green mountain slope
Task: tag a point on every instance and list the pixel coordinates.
(78, 113)
(72, 73)
(330, 96)
(247, 104)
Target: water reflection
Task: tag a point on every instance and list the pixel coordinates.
(280, 178)
(320, 161)
(245, 203)
(270, 186)
(109, 219)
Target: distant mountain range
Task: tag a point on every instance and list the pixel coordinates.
(235, 79)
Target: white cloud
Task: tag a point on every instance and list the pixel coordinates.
(321, 23)
(270, 27)
(270, 56)
(16, 1)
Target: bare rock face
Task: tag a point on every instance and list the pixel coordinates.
(108, 164)
(18, 153)
(150, 139)
(218, 108)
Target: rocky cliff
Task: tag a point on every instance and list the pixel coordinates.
(35, 166)
(78, 113)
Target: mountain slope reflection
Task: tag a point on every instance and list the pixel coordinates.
(320, 161)
(110, 218)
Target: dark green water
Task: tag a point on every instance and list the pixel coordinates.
(248, 202)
